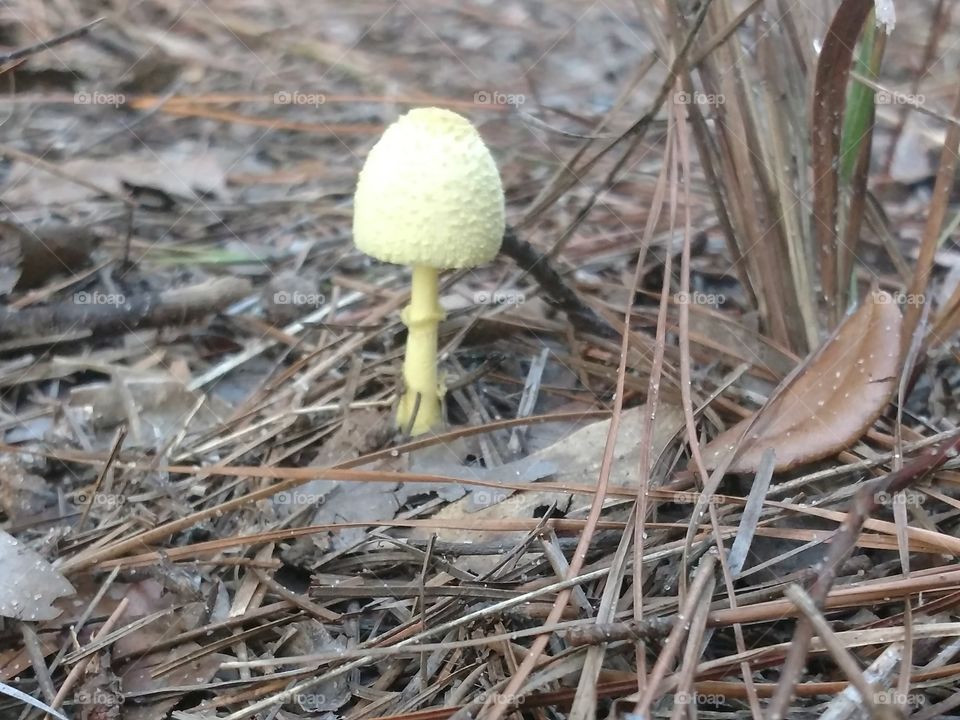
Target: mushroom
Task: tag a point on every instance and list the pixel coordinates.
(429, 196)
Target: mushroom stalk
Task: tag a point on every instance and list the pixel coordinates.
(421, 317)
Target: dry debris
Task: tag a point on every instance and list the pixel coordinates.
(700, 453)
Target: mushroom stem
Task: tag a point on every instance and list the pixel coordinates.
(421, 317)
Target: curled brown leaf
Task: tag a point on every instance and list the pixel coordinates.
(842, 389)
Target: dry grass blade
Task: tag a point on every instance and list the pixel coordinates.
(755, 184)
(28, 700)
(49, 42)
(701, 587)
(841, 655)
(751, 513)
(685, 369)
(499, 704)
(829, 100)
(946, 174)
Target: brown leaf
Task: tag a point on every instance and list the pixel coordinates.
(577, 459)
(138, 680)
(99, 696)
(30, 257)
(178, 171)
(832, 402)
(335, 501)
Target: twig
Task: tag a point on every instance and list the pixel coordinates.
(47, 44)
(465, 620)
(78, 669)
(700, 589)
(843, 657)
(35, 651)
(864, 503)
(170, 307)
(651, 628)
(558, 293)
(119, 436)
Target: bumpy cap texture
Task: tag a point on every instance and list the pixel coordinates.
(430, 194)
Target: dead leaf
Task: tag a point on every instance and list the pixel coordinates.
(144, 597)
(154, 406)
(30, 583)
(99, 696)
(832, 402)
(448, 459)
(179, 171)
(31, 256)
(138, 680)
(15, 660)
(575, 459)
(22, 493)
(335, 501)
(312, 638)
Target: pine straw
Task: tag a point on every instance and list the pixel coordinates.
(775, 595)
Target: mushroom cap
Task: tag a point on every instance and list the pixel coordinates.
(430, 194)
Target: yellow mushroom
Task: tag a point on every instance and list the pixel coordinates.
(429, 196)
